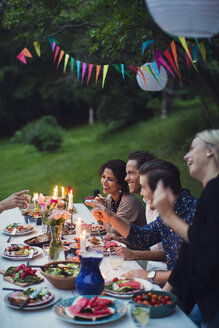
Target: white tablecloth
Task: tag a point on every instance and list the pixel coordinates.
(10, 318)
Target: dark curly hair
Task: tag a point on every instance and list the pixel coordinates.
(117, 166)
(160, 169)
(141, 157)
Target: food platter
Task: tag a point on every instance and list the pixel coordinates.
(37, 251)
(53, 300)
(119, 307)
(38, 240)
(145, 285)
(27, 228)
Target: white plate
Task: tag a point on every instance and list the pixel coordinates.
(55, 299)
(21, 258)
(19, 233)
(147, 286)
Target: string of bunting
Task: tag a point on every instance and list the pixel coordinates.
(172, 66)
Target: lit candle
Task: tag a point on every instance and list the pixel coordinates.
(35, 197)
(78, 227)
(83, 241)
(70, 200)
(55, 193)
(63, 192)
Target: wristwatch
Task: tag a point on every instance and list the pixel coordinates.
(151, 275)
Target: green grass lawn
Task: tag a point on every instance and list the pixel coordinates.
(85, 148)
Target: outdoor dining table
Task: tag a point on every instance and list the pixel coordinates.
(45, 318)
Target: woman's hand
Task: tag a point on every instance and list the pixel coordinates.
(101, 213)
(100, 199)
(18, 199)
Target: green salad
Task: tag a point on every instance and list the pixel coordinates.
(71, 269)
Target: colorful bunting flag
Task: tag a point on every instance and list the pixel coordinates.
(116, 66)
(151, 71)
(66, 61)
(162, 61)
(84, 66)
(52, 40)
(78, 64)
(195, 53)
(184, 44)
(72, 64)
(203, 50)
(174, 52)
(157, 70)
(105, 70)
(90, 67)
(142, 75)
(53, 46)
(60, 57)
(37, 47)
(122, 70)
(56, 53)
(97, 72)
(157, 55)
(24, 53)
(21, 57)
(146, 45)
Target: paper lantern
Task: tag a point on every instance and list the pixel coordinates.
(153, 83)
(188, 18)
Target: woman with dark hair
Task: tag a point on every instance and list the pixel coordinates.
(119, 201)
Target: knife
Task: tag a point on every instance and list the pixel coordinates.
(12, 234)
(29, 257)
(32, 296)
(15, 289)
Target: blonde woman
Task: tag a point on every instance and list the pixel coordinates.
(195, 276)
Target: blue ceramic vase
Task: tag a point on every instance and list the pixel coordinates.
(89, 280)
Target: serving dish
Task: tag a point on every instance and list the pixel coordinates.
(112, 287)
(119, 307)
(158, 310)
(60, 281)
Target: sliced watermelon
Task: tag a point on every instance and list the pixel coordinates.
(133, 284)
(111, 243)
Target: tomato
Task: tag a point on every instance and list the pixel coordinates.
(115, 279)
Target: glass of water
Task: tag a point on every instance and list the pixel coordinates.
(140, 315)
(116, 260)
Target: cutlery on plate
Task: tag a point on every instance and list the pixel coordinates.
(15, 289)
(12, 234)
(29, 257)
(32, 296)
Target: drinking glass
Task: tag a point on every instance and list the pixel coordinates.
(32, 220)
(140, 315)
(116, 260)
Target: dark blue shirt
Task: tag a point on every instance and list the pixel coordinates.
(157, 231)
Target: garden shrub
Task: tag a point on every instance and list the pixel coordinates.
(45, 134)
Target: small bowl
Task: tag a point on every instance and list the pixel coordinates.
(58, 281)
(159, 311)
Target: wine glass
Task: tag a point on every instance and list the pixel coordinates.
(140, 315)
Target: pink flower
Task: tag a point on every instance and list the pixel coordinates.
(43, 207)
(58, 214)
(41, 199)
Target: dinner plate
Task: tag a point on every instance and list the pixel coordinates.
(54, 300)
(147, 286)
(21, 258)
(19, 233)
(120, 311)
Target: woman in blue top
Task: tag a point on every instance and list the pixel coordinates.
(195, 276)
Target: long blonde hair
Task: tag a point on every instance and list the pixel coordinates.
(211, 138)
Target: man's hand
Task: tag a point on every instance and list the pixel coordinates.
(129, 254)
(143, 274)
(17, 199)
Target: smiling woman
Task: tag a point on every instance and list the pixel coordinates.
(118, 199)
(195, 276)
